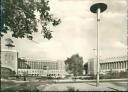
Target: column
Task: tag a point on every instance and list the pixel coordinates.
(105, 66)
(119, 65)
(123, 64)
(116, 65)
(112, 65)
(127, 64)
(108, 66)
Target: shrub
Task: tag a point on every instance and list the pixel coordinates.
(6, 72)
(71, 89)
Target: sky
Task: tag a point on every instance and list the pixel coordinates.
(77, 32)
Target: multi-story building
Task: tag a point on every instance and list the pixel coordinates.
(42, 68)
(117, 64)
(9, 59)
(31, 67)
(92, 66)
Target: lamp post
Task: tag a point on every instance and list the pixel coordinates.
(98, 8)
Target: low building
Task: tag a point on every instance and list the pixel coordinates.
(116, 64)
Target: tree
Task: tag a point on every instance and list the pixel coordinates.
(9, 43)
(86, 68)
(74, 65)
(18, 16)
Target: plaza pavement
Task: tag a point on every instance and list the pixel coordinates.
(84, 87)
(63, 85)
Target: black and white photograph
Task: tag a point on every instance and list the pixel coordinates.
(63, 45)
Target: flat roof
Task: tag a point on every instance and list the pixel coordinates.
(114, 59)
(8, 50)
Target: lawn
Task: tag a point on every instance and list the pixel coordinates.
(12, 86)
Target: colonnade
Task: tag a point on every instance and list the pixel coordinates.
(114, 65)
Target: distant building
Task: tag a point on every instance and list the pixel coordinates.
(116, 64)
(9, 59)
(92, 66)
(42, 68)
(31, 67)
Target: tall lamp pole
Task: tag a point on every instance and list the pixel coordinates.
(98, 8)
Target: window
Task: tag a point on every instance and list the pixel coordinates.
(45, 67)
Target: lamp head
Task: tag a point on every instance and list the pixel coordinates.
(95, 7)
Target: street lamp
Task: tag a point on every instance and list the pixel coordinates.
(98, 8)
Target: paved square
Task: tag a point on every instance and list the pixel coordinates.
(84, 87)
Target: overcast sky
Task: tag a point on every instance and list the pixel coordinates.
(77, 32)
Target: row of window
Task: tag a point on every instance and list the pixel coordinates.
(38, 65)
(48, 74)
(32, 71)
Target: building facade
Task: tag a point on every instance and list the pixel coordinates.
(31, 67)
(9, 59)
(42, 68)
(92, 67)
(116, 64)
